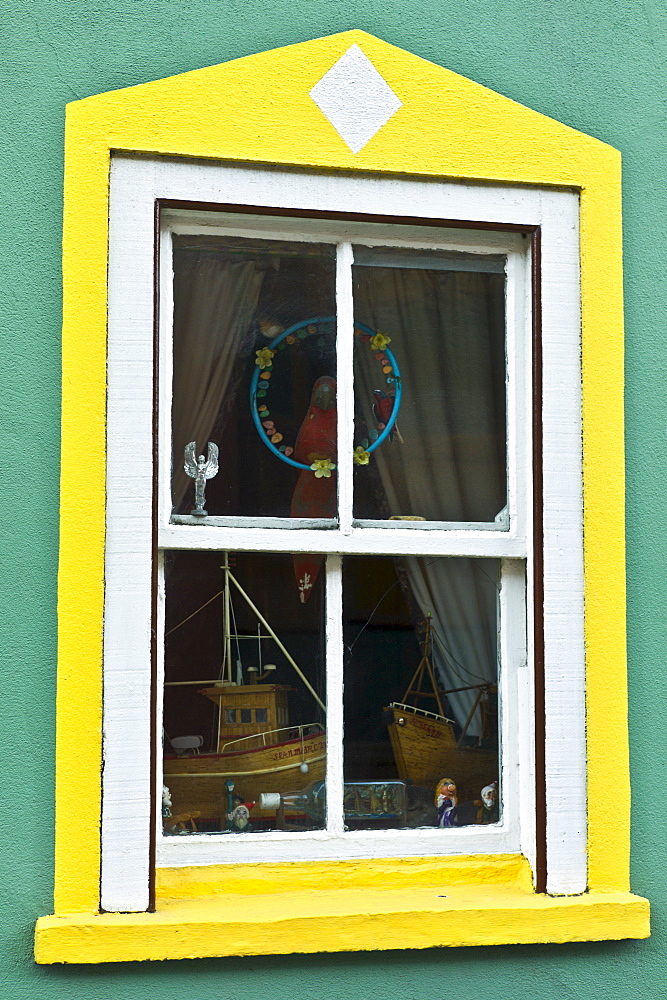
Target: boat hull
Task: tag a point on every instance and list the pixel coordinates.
(425, 751)
(197, 783)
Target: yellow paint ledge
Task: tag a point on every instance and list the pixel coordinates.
(337, 920)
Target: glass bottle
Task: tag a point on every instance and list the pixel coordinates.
(362, 800)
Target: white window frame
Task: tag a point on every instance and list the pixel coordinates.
(136, 186)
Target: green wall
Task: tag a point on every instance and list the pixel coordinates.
(599, 66)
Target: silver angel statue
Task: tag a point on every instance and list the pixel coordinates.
(200, 469)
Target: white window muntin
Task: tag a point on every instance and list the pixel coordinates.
(136, 184)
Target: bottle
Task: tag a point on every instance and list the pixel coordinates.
(311, 800)
(372, 800)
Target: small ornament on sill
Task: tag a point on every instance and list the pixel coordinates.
(166, 801)
(490, 806)
(446, 802)
(239, 818)
(229, 785)
(200, 469)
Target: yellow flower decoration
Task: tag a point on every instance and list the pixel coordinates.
(323, 468)
(361, 456)
(380, 341)
(264, 357)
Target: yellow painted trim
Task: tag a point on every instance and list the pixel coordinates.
(82, 529)
(604, 524)
(334, 920)
(257, 110)
(208, 881)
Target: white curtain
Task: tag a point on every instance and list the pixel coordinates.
(447, 331)
(214, 302)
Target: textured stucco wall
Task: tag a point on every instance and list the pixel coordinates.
(595, 65)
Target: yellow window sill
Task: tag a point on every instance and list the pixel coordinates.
(308, 920)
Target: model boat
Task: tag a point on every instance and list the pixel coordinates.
(257, 748)
(424, 743)
(267, 762)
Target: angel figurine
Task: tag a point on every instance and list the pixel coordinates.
(200, 469)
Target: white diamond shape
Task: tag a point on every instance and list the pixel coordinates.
(355, 99)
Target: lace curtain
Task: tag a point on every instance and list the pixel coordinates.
(447, 330)
(215, 300)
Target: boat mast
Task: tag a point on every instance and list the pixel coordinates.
(226, 671)
(277, 641)
(415, 686)
(227, 636)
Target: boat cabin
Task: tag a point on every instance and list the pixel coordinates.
(247, 710)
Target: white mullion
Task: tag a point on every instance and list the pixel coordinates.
(514, 726)
(564, 642)
(159, 681)
(345, 382)
(275, 188)
(126, 785)
(518, 357)
(181, 223)
(165, 370)
(334, 663)
(360, 541)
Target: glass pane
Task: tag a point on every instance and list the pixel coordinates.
(254, 373)
(421, 691)
(429, 354)
(238, 642)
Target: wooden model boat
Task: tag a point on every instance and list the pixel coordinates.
(425, 751)
(424, 743)
(257, 749)
(270, 762)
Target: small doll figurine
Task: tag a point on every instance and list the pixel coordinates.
(446, 801)
(490, 810)
(239, 817)
(166, 801)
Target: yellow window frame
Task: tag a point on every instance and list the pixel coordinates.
(257, 110)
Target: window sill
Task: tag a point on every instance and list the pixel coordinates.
(348, 918)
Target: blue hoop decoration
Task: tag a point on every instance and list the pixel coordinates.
(302, 324)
